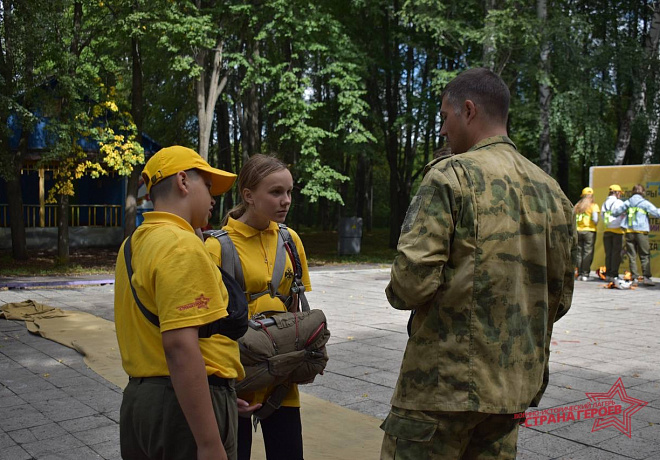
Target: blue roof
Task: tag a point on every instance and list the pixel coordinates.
(40, 140)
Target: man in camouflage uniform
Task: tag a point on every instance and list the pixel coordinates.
(485, 263)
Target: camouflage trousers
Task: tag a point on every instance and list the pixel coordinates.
(422, 435)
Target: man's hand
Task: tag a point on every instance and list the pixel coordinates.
(244, 408)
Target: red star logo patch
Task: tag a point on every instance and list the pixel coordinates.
(634, 405)
(202, 302)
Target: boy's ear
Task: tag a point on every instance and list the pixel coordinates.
(182, 182)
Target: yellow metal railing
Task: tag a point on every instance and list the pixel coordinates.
(92, 215)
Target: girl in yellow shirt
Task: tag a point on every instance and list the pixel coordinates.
(586, 218)
(265, 186)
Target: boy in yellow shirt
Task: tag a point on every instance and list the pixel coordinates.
(180, 400)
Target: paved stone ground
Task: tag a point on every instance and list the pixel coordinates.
(53, 407)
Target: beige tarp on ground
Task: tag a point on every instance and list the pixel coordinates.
(91, 336)
(330, 431)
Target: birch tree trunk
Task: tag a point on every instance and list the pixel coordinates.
(639, 94)
(208, 88)
(545, 94)
(489, 40)
(654, 122)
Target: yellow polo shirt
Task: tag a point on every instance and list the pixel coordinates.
(175, 278)
(256, 250)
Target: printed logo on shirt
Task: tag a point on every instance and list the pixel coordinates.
(199, 303)
(288, 274)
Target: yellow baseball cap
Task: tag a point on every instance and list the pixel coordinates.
(587, 191)
(170, 160)
(615, 188)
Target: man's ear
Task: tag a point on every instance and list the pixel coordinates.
(470, 110)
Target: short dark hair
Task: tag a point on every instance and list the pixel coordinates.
(483, 87)
(163, 188)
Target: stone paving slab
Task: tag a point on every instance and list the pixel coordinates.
(53, 407)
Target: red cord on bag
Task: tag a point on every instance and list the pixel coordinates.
(315, 334)
(265, 329)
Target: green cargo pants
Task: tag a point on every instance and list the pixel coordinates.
(638, 244)
(152, 425)
(415, 435)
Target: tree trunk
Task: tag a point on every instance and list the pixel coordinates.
(489, 39)
(253, 113)
(13, 176)
(370, 198)
(67, 116)
(361, 184)
(15, 198)
(639, 93)
(63, 229)
(545, 95)
(563, 162)
(391, 135)
(206, 99)
(137, 109)
(654, 121)
(224, 149)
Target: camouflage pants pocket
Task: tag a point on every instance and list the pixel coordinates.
(406, 438)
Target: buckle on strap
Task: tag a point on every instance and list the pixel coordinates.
(272, 290)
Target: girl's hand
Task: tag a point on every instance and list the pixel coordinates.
(244, 408)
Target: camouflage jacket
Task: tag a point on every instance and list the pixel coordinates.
(484, 258)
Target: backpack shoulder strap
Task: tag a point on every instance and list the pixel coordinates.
(153, 319)
(271, 404)
(278, 267)
(231, 263)
(297, 286)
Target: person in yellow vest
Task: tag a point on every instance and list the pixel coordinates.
(636, 211)
(586, 218)
(613, 234)
(265, 185)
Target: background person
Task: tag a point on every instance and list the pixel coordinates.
(586, 218)
(180, 401)
(613, 234)
(485, 287)
(265, 186)
(636, 211)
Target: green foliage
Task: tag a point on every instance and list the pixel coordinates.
(321, 83)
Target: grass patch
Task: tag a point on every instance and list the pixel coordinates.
(320, 247)
(83, 261)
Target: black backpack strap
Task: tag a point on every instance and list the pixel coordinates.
(271, 404)
(297, 285)
(233, 325)
(153, 319)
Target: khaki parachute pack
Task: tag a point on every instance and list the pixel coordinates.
(279, 348)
